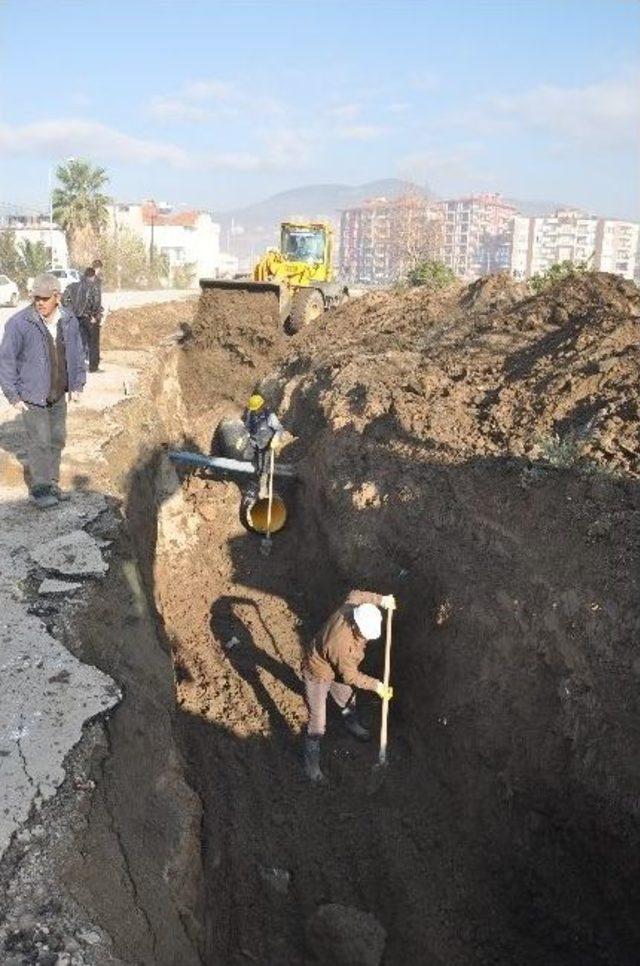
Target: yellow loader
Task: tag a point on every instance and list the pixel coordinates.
(299, 273)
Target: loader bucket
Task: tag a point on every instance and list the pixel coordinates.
(282, 298)
(240, 285)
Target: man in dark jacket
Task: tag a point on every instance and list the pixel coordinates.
(83, 299)
(96, 321)
(41, 360)
(330, 667)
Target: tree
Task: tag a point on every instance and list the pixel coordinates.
(184, 275)
(9, 255)
(34, 258)
(556, 273)
(431, 274)
(79, 204)
(416, 233)
(22, 261)
(124, 259)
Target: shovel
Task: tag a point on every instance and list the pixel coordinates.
(265, 545)
(382, 755)
(378, 769)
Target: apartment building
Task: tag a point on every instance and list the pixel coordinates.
(570, 235)
(39, 228)
(185, 237)
(477, 234)
(381, 238)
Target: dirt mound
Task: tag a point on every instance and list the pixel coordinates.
(473, 451)
(147, 326)
(236, 337)
(550, 374)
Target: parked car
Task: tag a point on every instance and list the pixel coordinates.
(66, 276)
(9, 293)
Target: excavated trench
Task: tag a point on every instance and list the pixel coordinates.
(506, 827)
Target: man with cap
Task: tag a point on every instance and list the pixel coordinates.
(41, 360)
(264, 430)
(331, 665)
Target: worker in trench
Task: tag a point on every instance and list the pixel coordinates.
(264, 430)
(330, 667)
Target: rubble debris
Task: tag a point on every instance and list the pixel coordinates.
(51, 586)
(75, 554)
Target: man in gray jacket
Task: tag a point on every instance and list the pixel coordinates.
(41, 360)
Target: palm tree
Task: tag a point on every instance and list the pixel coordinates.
(79, 205)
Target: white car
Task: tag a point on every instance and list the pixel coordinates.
(66, 276)
(9, 293)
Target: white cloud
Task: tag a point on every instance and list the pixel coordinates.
(173, 108)
(72, 136)
(208, 90)
(207, 100)
(424, 81)
(442, 163)
(360, 132)
(398, 108)
(604, 114)
(344, 112)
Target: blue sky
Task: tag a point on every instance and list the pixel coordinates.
(223, 103)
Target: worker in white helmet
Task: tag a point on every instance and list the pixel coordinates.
(331, 667)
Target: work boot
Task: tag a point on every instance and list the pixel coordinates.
(312, 759)
(44, 499)
(353, 726)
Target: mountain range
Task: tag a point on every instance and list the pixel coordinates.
(248, 230)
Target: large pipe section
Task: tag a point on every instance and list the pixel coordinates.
(254, 508)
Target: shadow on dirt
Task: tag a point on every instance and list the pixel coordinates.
(507, 828)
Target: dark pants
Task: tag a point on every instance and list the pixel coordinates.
(94, 345)
(46, 431)
(316, 693)
(260, 458)
(85, 326)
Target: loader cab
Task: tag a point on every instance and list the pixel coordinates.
(306, 243)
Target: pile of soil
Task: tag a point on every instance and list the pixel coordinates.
(147, 326)
(475, 452)
(236, 336)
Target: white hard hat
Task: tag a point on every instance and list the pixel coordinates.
(368, 621)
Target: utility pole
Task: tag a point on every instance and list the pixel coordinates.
(153, 220)
(116, 226)
(50, 216)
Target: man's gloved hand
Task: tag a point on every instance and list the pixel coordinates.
(275, 444)
(388, 602)
(384, 693)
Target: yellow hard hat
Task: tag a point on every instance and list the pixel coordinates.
(255, 403)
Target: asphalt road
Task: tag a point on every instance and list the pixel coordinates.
(116, 300)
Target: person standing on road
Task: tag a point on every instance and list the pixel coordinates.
(83, 299)
(264, 430)
(41, 360)
(96, 319)
(330, 666)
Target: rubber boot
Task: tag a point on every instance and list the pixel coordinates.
(312, 759)
(353, 726)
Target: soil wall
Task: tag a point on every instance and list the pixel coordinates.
(476, 454)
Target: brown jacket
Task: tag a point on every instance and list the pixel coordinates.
(338, 649)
